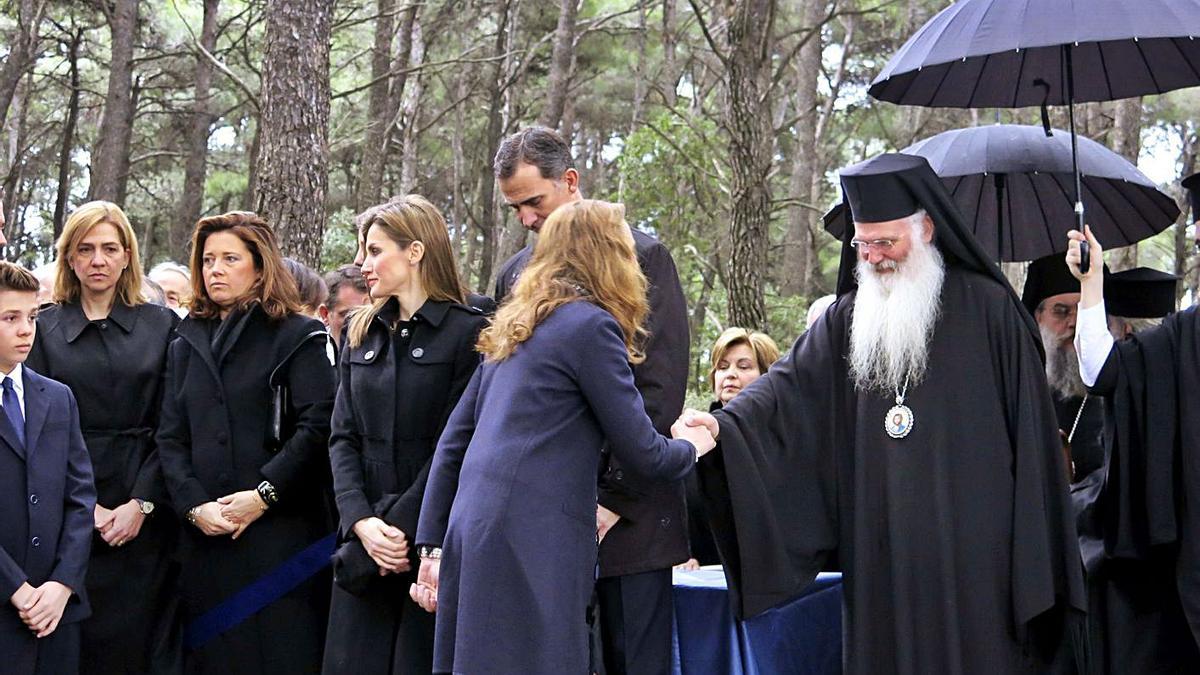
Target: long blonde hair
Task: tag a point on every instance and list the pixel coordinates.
(67, 287)
(405, 220)
(584, 251)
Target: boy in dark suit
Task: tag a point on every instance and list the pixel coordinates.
(47, 499)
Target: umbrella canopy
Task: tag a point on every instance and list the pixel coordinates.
(1015, 53)
(1014, 187)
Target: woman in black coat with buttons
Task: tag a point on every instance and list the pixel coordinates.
(259, 525)
(107, 344)
(405, 361)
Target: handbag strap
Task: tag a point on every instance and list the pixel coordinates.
(301, 343)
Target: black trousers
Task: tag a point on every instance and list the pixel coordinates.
(636, 617)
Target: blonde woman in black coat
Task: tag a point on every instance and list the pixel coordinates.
(406, 360)
(105, 342)
(256, 509)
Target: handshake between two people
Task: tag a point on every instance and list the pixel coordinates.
(698, 428)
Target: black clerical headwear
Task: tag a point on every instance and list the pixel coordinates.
(1140, 293)
(1049, 276)
(889, 184)
(875, 192)
(1192, 185)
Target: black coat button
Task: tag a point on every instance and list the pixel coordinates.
(665, 522)
(619, 474)
(418, 353)
(36, 541)
(33, 499)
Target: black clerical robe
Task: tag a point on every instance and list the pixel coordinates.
(956, 542)
(1147, 513)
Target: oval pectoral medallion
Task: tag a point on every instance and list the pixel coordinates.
(899, 421)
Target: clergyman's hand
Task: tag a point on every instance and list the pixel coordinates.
(1091, 282)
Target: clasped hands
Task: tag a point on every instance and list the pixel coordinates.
(121, 525)
(386, 544)
(41, 608)
(230, 514)
(698, 428)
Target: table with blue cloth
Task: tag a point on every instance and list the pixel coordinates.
(802, 636)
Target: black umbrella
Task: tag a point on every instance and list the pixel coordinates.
(1016, 53)
(1013, 185)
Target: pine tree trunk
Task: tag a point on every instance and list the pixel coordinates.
(1184, 245)
(294, 132)
(798, 258)
(1126, 141)
(110, 157)
(748, 62)
(370, 175)
(191, 201)
(20, 52)
(68, 137)
(411, 115)
(559, 81)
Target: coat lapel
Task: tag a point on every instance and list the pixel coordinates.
(195, 334)
(36, 408)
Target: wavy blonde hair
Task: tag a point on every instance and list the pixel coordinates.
(67, 287)
(405, 220)
(585, 252)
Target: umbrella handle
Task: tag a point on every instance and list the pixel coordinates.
(1085, 258)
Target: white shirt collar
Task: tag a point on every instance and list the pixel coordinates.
(18, 378)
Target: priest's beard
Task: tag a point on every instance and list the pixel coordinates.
(894, 316)
(1062, 366)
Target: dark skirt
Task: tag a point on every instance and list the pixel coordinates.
(382, 631)
(134, 626)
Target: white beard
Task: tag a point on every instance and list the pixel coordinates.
(1062, 367)
(894, 317)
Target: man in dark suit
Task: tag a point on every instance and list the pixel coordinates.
(46, 498)
(642, 525)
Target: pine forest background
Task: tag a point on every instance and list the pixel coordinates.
(720, 123)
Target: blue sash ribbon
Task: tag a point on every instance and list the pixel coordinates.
(258, 594)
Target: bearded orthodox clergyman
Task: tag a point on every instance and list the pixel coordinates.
(909, 441)
(1051, 294)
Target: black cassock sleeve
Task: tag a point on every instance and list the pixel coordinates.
(1138, 502)
(1153, 383)
(778, 527)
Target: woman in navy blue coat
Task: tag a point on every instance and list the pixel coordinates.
(507, 533)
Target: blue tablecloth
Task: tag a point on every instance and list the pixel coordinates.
(803, 636)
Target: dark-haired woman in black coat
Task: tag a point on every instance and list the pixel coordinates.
(405, 363)
(253, 597)
(109, 346)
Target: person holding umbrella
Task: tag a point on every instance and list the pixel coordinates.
(1152, 379)
(908, 440)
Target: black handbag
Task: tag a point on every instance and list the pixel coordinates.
(283, 416)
